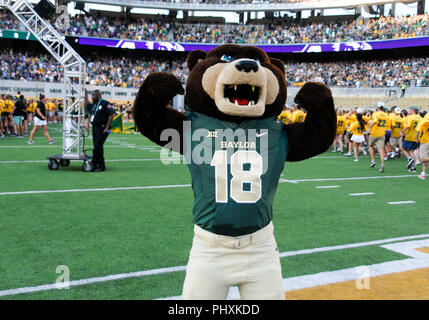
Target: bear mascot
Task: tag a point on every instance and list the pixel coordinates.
(235, 149)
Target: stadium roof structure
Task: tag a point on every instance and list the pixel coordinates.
(247, 7)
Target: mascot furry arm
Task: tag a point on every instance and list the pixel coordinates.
(316, 134)
(151, 112)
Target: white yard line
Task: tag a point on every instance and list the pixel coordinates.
(288, 181)
(94, 189)
(352, 245)
(327, 187)
(22, 161)
(418, 260)
(60, 146)
(81, 282)
(135, 160)
(361, 194)
(336, 157)
(57, 137)
(92, 280)
(31, 146)
(177, 186)
(401, 202)
(349, 274)
(352, 178)
(107, 160)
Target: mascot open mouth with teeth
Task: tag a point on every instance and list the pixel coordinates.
(235, 150)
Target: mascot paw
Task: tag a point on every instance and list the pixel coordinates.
(313, 95)
(162, 85)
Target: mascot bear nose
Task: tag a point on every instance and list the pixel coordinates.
(247, 65)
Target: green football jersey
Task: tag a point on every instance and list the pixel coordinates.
(235, 170)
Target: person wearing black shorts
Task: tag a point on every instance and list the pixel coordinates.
(19, 113)
(60, 111)
(40, 120)
(100, 114)
(7, 116)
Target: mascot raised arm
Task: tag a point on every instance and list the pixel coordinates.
(235, 149)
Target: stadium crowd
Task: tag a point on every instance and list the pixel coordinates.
(284, 32)
(280, 31)
(129, 73)
(369, 74)
(18, 65)
(8, 20)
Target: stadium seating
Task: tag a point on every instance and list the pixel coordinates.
(21, 65)
(129, 72)
(277, 31)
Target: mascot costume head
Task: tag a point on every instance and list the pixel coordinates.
(235, 149)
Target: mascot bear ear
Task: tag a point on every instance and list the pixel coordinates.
(279, 64)
(194, 57)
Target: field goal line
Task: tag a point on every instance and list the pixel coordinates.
(188, 185)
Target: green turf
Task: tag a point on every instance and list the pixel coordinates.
(111, 232)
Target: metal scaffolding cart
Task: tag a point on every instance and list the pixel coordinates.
(74, 68)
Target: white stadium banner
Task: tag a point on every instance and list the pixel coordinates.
(54, 90)
(115, 94)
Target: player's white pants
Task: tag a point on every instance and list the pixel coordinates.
(217, 262)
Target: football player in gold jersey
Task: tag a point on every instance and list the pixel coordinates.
(409, 145)
(298, 115)
(423, 138)
(2, 104)
(7, 115)
(396, 124)
(341, 129)
(358, 128)
(377, 126)
(285, 116)
(350, 119)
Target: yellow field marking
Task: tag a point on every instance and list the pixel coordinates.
(425, 250)
(409, 285)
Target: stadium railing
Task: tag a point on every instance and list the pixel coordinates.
(244, 7)
(344, 97)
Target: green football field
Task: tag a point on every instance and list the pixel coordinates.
(126, 233)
